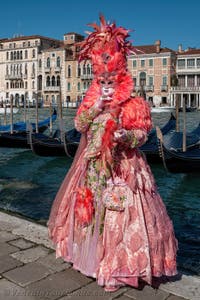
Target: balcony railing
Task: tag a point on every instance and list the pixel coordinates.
(52, 88)
(87, 76)
(164, 88)
(57, 69)
(47, 69)
(185, 89)
(149, 88)
(14, 76)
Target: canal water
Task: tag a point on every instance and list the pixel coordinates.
(29, 183)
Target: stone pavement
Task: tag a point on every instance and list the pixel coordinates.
(30, 271)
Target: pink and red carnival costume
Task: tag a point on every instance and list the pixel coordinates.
(108, 218)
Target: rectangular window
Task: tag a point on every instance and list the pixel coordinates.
(142, 63)
(150, 80)
(191, 63)
(151, 62)
(198, 62)
(164, 61)
(181, 63)
(134, 63)
(190, 81)
(164, 80)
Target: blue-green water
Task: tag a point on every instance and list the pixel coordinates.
(29, 183)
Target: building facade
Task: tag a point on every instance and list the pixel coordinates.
(44, 70)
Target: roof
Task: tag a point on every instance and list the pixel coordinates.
(190, 51)
(30, 37)
(149, 49)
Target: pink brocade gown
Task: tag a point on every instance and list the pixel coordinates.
(119, 246)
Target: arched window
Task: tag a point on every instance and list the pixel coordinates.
(88, 69)
(40, 82)
(53, 81)
(17, 54)
(33, 68)
(84, 70)
(84, 86)
(21, 55)
(33, 53)
(26, 54)
(142, 78)
(58, 80)
(40, 63)
(26, 70)
(79, 71)
(11, 55)
(68, 86)
(58, 61)
(69, 71)
(79, 86)
(33, 84)
(53, 101)
(7, 55)
(48, 62)
(48, 81)
(7, 85)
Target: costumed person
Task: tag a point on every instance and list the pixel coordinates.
(108, 218)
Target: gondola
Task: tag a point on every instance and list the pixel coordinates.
(18, 138)
(150, 148)
(178, 161)
(44, 145)
(22, 126)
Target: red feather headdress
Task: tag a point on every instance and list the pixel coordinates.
(106, 47)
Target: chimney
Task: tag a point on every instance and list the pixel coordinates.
(157, 44)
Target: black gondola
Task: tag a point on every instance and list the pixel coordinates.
(18, 139)
(44, 145)
(178, 161)
(150, 148)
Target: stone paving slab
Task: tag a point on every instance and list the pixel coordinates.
(56, 265)
(22, 243)
(27, 274)
(173, 297)
(6, 249)
(30, 255)
(58, 284)
(147, 293)
(11, 291)
(93, 291)
(187, 287)
(8, 263)
(6, 236)
(25, 229)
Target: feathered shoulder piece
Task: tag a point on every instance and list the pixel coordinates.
(136, 114)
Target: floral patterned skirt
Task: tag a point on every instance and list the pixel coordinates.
(118, 246)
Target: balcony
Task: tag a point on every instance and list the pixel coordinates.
(149, 88)
(47, 69)
(164, 88)
(185, 89)
(87, 77)
(52, 88)
(57, 69)
(14, 76)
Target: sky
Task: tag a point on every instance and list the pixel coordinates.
(174, 22)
